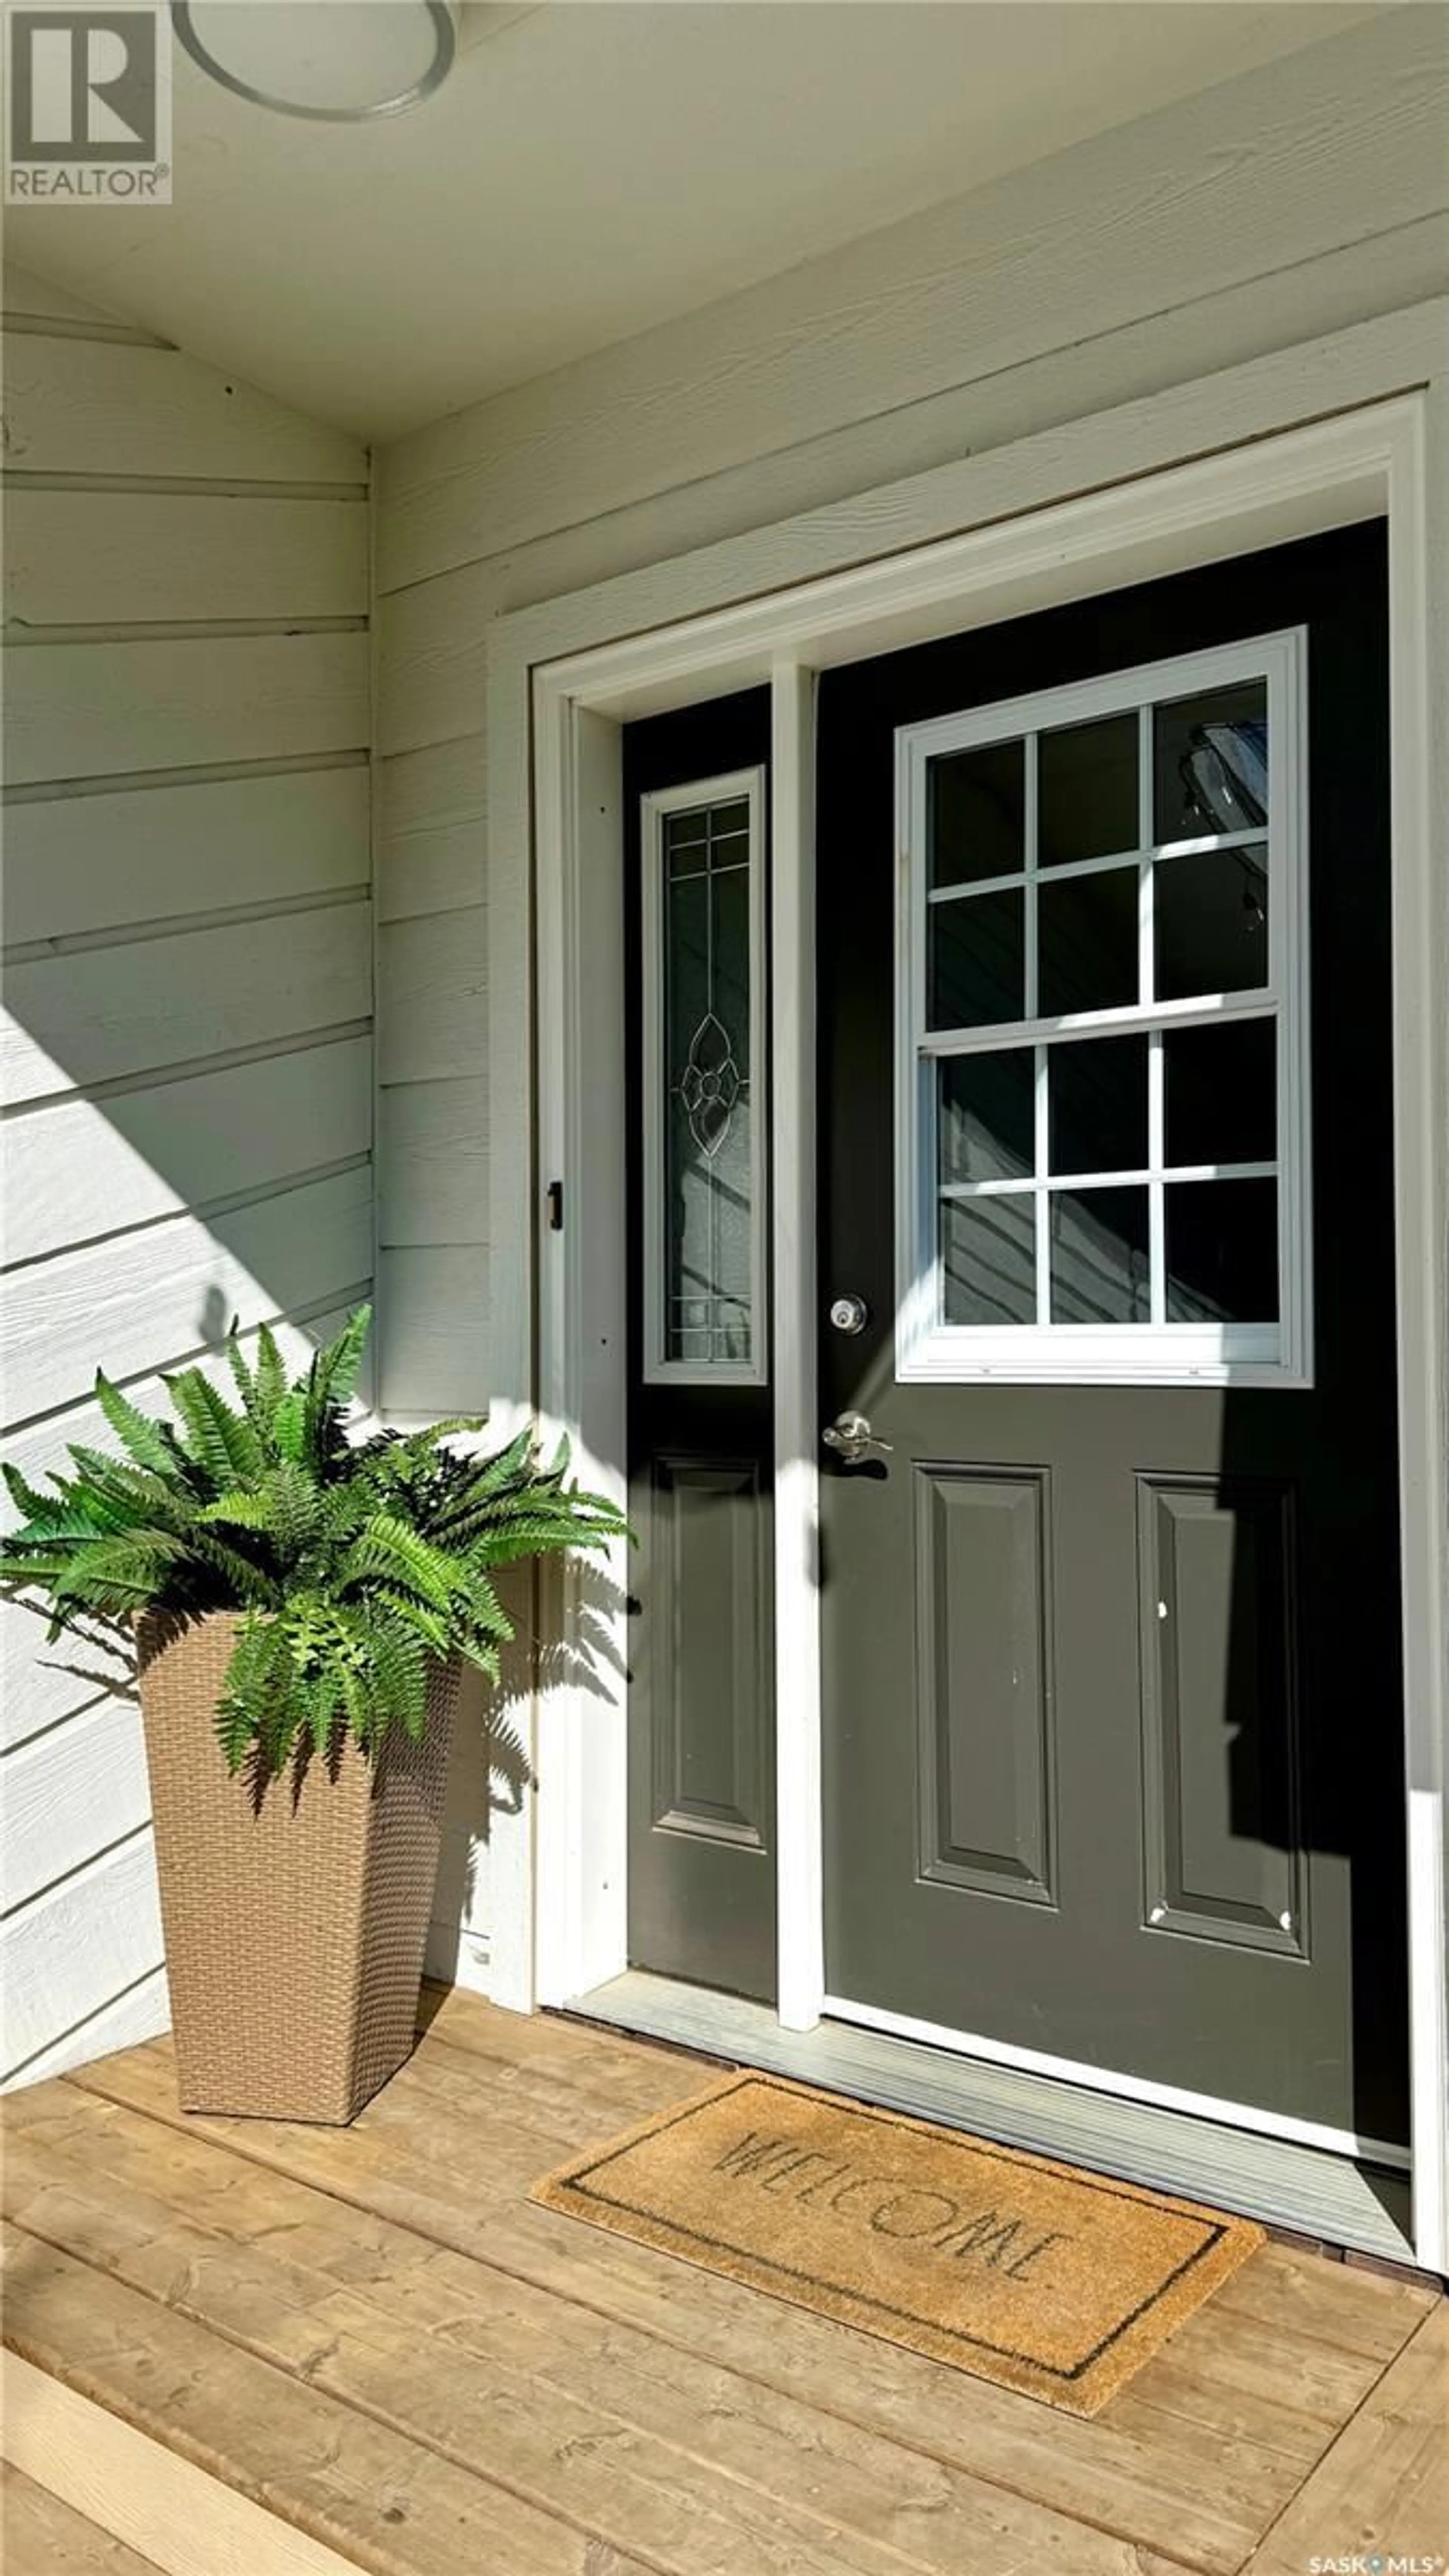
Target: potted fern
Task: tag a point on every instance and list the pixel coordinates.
(302, 1604)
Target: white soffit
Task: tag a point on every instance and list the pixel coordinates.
(591, 169)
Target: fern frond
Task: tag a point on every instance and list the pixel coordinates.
(132, 1490)
(32, 1505)
(388, 1551)
(136, 1431)
(331, 1382)
(271, 1377)
(289, 1426)
(402, 1674)
(430, 1626)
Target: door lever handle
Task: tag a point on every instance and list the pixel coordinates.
(851, 1435)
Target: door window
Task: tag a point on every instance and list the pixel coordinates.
(704, 1147)
(1102, 1066)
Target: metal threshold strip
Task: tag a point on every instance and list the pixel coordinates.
(1333, 2198)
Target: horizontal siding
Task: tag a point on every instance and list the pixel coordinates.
(95, 408)
(46, 1684)
(98, 558)
(83, 1169)
(1265, 172)
(80, 865)
(432, 644)
(69, 1797)
(100, 1931)
(431, 829)
(432, 1148)
(102, 709)
(103, 1014)
(186, 1055)
(432, 987)
(138, 2013)
(175, 1286)
(433, 1329)
(440, 625)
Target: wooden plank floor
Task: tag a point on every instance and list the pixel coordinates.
(374, 2336)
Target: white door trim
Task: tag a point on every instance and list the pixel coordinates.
(1286, 483)
(800, 1889)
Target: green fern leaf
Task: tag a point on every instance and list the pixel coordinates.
(289, 1426)
(387, 1550)
(271, 1377)
(137, 1433)
(31, 1505)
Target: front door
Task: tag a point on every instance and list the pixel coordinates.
(1113, 1749)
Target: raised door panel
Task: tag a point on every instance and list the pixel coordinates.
(984, 1708)
(1222, 1800)
(710, 1674)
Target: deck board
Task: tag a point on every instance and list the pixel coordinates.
(1383, 2489)
(44, 2537)
(319, 2317)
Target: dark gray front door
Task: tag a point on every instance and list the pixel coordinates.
(1113, 1756)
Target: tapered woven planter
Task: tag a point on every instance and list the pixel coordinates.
(294, 1921)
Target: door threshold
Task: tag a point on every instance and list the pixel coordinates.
(1340, 2200)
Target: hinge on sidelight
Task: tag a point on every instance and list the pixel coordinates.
(553, 1200)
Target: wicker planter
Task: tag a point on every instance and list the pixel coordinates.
(294, 1924)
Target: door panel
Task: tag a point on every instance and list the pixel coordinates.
(1221, 1829)
(701, 1708)
(1113, 1728)
(985, 1712)
(711, 1665)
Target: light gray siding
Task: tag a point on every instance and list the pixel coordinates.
(186, 1070)
(1263, 214)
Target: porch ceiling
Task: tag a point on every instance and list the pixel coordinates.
(590, 171)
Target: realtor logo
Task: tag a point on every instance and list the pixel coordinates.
(88, 107)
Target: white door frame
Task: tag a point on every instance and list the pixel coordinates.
(560, 1879)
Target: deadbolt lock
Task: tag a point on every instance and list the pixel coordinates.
(849, 1314)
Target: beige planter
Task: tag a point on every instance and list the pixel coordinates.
(294, 1924)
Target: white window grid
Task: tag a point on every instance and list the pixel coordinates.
(1156, 1351)
(659, 1307)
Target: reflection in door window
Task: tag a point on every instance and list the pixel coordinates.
(1103, 1057)
(703, 943)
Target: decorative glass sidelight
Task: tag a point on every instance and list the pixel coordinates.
(1103, 1070)
(704, 1038)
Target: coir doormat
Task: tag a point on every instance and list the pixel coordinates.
(1054, 2282)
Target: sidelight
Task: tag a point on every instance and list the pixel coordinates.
(1102, 1061)
(703, 952)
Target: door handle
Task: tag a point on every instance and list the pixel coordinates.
(851, 1435)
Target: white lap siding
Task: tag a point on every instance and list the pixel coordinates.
(186, 1049)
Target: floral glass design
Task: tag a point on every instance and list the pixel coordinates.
(707, 898)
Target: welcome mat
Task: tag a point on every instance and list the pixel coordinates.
(1054, 2282)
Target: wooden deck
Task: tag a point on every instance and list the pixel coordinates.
(374, 2346)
